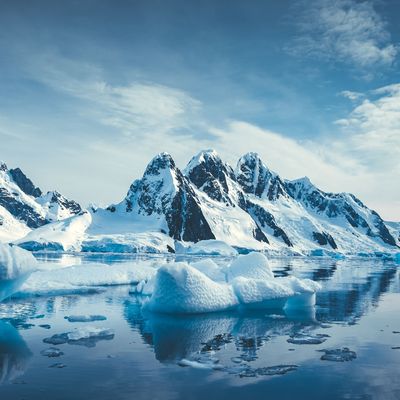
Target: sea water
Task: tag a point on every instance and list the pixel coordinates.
(347, 347)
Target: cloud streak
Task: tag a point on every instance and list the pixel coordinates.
(345, 31)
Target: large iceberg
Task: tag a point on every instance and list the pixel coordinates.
(15, 265)
(184, 289)
(180, 288)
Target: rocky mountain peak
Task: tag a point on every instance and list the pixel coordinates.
(25, 184)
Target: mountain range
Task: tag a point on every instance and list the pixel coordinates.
(248, 207)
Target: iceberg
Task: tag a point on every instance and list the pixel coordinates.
(84, 278)
(180, 288)
(184, 289)
(15, 266)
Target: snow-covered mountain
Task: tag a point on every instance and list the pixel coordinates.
(249, 207)
(24, 207)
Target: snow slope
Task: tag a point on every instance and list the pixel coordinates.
(24, 207)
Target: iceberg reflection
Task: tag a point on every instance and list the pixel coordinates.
(14, 353)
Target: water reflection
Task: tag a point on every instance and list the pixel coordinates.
(177, 337)
(14, 353)
(349, 291)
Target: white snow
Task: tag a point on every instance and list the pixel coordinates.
(208, 267)
(15, 262)
(253, 265)
(10, 227)
(60, 235)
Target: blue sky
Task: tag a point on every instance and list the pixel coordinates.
(92, 90)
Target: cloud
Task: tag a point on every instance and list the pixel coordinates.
(373, 128)
(345, 31)
(360, 156)
(136, 109)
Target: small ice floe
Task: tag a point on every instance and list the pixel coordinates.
(15, 266)
(52, 352)
(182, 288)
(85, 318)
(308, 339)
(45, 326)
(249, 372)
(57, 365)
(201, 362)
(338, 355)
(87, 336)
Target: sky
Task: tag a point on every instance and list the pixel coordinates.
(92, 90)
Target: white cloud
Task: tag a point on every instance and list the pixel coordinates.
(373, 130)
(353, 96)
(146, 118)
(346, 31)
(139, 108)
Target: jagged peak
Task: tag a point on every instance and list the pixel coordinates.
(203, 156)
(304, 181)
(3, 166)
(161, 161)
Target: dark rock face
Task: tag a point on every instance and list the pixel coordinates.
(210, 175)
(164, 190)
(20, 210)
(70, 205)
(342, 204)
(16, 203)
(255, 178)
(267, 220)
(324, 238)
(24, 183)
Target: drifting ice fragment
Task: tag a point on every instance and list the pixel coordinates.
(52, 352)
(308, 339)
(85, 318)
(340, 355)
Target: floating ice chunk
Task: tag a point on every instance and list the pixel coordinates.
(209, 247)
(276, 370)
(199, 365)
(86, 336)
(85, 318)
(308, 339)
(57, 365)
(210, 268)
(339, 355)
(52, 352)
(15, 262)
(59, 338)
(82, 278)
(180, 288)
(15, 265)
(253, 265)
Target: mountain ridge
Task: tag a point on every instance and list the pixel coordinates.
(249, 207)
